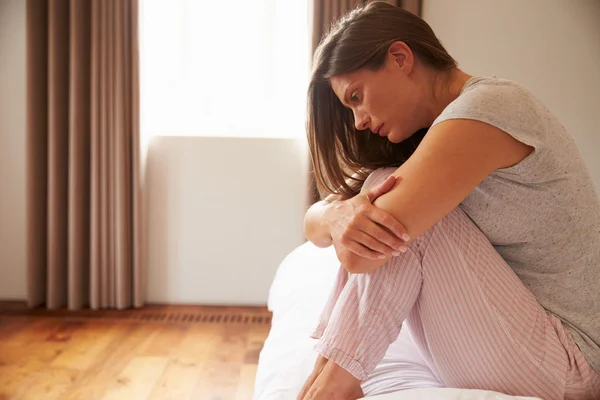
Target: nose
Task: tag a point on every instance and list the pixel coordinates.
(361, 120)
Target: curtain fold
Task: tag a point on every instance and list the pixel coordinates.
(414, 6)
(83, 203)
(322, 13)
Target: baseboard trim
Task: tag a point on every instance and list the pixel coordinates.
(154, 313)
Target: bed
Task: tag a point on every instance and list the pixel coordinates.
(297, 294)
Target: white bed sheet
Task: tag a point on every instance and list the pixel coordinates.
(297, 295)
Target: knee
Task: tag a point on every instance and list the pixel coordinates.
(376, 177)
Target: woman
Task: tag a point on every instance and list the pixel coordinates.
(499, 293)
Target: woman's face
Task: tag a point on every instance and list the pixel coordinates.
(384, 101)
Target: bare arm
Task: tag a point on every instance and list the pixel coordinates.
(315, 227)
(355, 224)
(453, 158)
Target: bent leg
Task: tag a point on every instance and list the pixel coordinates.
(474, 321)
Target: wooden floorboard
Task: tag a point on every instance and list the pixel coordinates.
(158, 352)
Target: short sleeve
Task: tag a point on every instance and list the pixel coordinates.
(506, 106)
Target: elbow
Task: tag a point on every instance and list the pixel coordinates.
(323, 244)
(356, 264)
(314, 237)
(352, 270)
(350, 262)
(319, 242)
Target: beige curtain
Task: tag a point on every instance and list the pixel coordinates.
(83, 185)
(322, 14)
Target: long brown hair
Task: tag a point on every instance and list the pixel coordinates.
(361, 39)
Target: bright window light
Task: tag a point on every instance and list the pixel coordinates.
(232, 68)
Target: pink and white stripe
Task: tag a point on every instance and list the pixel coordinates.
(472, 318)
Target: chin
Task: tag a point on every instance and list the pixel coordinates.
(394, 138)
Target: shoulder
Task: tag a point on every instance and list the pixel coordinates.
(501, 103)
(490, 98)
(488, 89)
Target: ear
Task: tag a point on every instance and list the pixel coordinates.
(402, 56)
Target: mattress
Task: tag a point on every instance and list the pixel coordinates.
(297, 295)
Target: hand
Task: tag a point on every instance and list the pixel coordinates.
(319, 365)
(329, 381)
(358, 226)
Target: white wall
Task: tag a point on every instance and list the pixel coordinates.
(12, 149)
(550, 46)
(222, 213)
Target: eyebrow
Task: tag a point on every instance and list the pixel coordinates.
(346, 96)
(346, 93)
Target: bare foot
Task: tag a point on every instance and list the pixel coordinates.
(333, 383)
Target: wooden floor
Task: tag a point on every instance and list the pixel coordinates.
(156, 353)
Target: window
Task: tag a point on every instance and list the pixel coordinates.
(232, 68)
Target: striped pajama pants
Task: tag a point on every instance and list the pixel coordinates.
(473, 320)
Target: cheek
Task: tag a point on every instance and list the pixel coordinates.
(396, 104)
(399, 113)
(406, 110)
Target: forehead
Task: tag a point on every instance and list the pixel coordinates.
(340, 83)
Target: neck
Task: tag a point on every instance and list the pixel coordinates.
(445, 88)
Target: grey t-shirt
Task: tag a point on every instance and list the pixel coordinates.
(543, 214)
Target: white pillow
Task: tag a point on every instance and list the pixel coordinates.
(306, 267)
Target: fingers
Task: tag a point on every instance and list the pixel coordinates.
(376, 244)
(382, 188)
(363, 251)
(392, 224)
(318, 368)
(382, 217)
(309, 382)
(368, 236)
(384, 236)
(334, 382)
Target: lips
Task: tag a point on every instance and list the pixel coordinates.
(378, 130)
